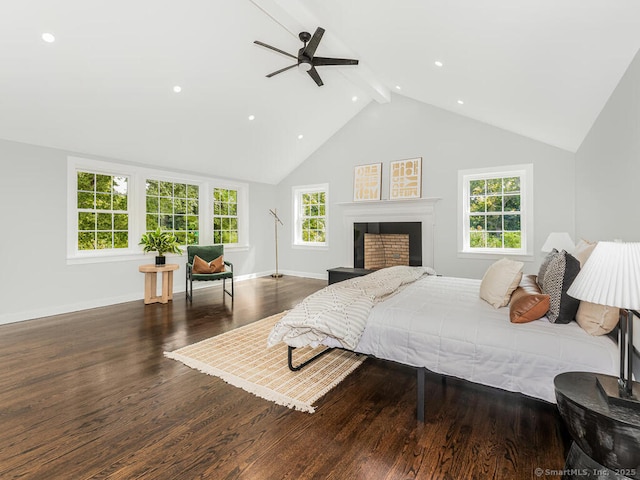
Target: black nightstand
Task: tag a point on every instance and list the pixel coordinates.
(606, 436)
(345, 273)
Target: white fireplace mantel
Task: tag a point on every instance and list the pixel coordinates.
(418, 210)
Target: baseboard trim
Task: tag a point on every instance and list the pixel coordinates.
(104, 302)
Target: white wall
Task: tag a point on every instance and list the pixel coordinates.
(35, 278)
(447, 142)
(608, 166)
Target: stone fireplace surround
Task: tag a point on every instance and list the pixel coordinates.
(419, 210)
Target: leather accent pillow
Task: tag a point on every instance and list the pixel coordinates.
(499, 282)
(597, 319)
(201, 266)
(528, 303)
(561, 271)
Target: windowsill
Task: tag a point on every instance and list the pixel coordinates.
(135, 256)
(236, 248)
(524, 257)
(324, 247)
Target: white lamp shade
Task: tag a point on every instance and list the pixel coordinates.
(611, 276)
(560, 241)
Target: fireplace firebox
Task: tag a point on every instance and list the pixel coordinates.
(382, 244)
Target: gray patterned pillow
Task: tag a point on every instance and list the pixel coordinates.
(560, 273)
(544, 265)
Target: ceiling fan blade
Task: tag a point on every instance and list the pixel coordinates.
(274, 49)
(323, 61)
(311, 47)
(281, 70)
(313, 73)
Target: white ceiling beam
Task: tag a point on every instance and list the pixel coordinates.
(295, 18)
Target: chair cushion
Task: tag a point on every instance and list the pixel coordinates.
(211, 276)
(214, 266)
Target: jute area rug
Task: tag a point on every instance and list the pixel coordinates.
(241, 357)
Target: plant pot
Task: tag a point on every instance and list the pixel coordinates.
(160, 261)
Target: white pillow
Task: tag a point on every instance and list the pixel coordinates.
(499, 282)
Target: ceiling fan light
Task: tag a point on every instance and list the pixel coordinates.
(304, 67)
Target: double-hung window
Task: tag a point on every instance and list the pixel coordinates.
(110, 205)
(225, 215)
(310, 214)
(496, 213)
(102, 203)
(174, 207)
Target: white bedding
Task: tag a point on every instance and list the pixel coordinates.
(441, 323)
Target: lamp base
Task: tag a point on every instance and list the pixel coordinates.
(610, 388)
(276, 275)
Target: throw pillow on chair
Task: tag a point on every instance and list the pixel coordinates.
(203, 267)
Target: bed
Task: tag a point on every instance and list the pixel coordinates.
(442, 325)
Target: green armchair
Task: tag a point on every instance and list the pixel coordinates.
(207, 253)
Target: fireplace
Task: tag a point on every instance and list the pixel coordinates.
(416, 214)
(385, 244)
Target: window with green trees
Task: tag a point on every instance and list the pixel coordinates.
(310, 203)
(313, 217)
(103, 211)
(174, 207)
(225, 215)
(494, 213)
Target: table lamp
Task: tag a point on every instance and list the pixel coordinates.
(560, 241)
(611, 277)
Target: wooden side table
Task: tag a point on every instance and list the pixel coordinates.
(150, 282)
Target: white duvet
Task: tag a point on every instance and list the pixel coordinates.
(340, 311)
(441, 323)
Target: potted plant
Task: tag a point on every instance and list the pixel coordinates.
(161, 241)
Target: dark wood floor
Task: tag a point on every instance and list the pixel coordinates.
(90, 395)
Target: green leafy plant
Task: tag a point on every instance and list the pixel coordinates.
(161, 241)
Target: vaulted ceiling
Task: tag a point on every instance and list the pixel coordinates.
(105, 86)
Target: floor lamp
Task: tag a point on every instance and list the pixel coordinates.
(276, 220)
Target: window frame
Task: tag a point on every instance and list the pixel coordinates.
(525, 172)
(137, 177)
(173, 181)
(297, 193)
(236, 216)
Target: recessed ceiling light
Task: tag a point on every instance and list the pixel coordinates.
(252, 117)
(177, 89)
(398, 87)
(460, 102)
(48, 37)
(354, 98)
(438, 63)
(300, 137)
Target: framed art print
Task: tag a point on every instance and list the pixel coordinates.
(405, 179)
(367, 182)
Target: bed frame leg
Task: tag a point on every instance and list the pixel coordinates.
(420, 400)
(295, 368)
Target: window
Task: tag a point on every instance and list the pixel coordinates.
(110, 205)
(225, 215)
(175, 207)
(496, 210)
(102, 211)
(310, 214)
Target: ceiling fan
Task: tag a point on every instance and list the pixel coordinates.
(306, 62)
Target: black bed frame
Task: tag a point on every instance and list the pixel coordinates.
(421, 371)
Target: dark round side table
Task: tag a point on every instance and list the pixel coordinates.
(606, 436)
